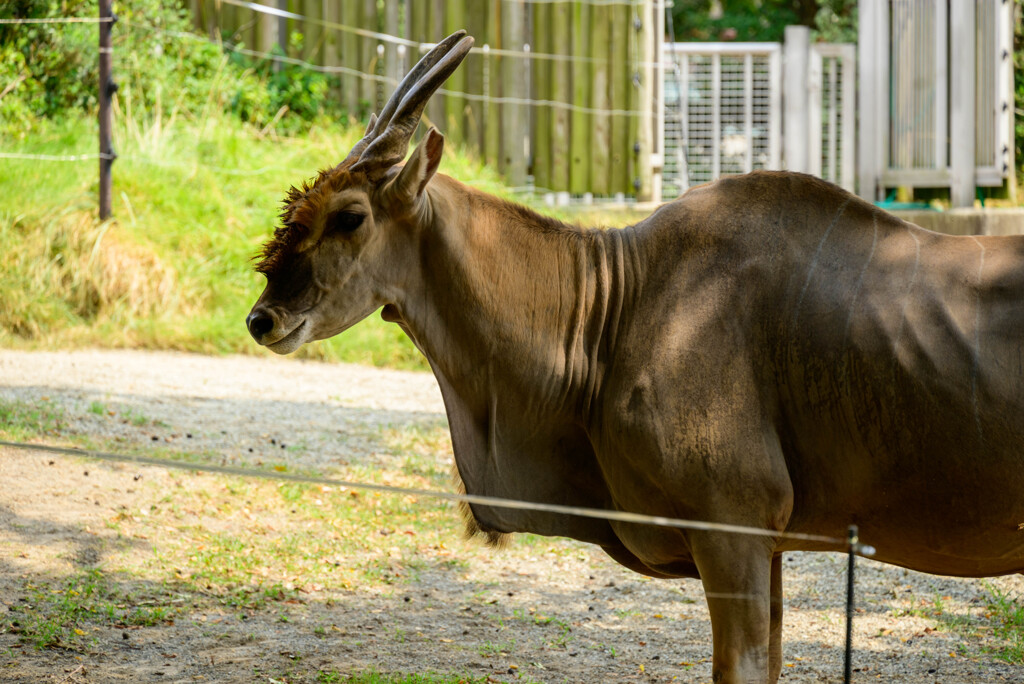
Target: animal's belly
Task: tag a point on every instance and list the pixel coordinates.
(983, 554)
(950, 510)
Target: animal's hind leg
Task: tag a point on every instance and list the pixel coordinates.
(737, 575)
(775, 634)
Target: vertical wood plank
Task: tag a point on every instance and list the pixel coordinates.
(313, 48)
(247, 26)
(368, 55)
(455, 105)
(541, 69)
(226, 22)
(266, 32)
(494, 86)
(580, 128)
(433, 31)
(646, 38)
(332, 50)
(349, 46)
(481, 76)
(561, 30)
(393, 67)
(600, 39)
(515, 74)
(620, 89)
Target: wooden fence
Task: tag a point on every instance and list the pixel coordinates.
(563, 91)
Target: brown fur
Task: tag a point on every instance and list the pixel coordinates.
(471, 527)
(300, 208)
(766, 351)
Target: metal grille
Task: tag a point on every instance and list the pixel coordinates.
(917, 111)
(919, 86)
(722, 111)
(833, 112)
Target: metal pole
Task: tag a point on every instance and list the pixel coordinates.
(851, 548)
(107, 87)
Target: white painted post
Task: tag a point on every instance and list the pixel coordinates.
(872, 39)
(849, 117)
(1004, 86)
(795, 122)
(962, 104)
(658, 156)
(812, 114)
(716, 116)
(645, 130)
(775, 107)
(941, 79)
(748, 112)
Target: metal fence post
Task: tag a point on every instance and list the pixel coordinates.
(107, 88)
(851, 551)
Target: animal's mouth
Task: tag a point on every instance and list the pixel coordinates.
(292, 341)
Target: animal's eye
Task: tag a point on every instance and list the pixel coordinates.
(344, 221)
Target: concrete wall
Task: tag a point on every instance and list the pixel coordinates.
(968, 221)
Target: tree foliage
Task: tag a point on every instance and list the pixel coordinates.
(762, 20)
(51, 70)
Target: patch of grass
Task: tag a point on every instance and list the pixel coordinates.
(57, 613)
(194, 199)
(427, 450)
(193, 202)
(21, 421)
(490, 649)
(1004, 620)
(1007, 615)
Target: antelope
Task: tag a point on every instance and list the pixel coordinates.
(767, 351)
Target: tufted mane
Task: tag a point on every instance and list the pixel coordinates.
(298, 211)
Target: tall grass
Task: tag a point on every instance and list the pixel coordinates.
(193, 202)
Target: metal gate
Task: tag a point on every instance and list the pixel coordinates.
(936, 95)
(723, 111)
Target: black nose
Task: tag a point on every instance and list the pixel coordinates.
(259, 324)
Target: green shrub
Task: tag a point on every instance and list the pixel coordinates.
(163, 70)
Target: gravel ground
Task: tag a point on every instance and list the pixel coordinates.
(623, 627)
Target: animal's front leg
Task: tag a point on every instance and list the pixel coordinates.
(737, 575)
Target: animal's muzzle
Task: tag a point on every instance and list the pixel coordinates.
(260, 323)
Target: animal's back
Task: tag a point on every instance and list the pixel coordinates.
(892, 358)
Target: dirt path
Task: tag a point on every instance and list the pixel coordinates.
(541, 611)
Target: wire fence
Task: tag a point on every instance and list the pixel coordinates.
(851, 544)
(558, 111)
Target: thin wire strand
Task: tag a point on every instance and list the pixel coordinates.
(421, 47)
(60, 20)
(496, 502)
(392, 81)
(56, 157)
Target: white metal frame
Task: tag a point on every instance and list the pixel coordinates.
(973, 103)
(680, 55)
(839, 133)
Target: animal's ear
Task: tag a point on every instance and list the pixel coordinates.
(413, 178)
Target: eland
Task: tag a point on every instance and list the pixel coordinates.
(767, 351)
